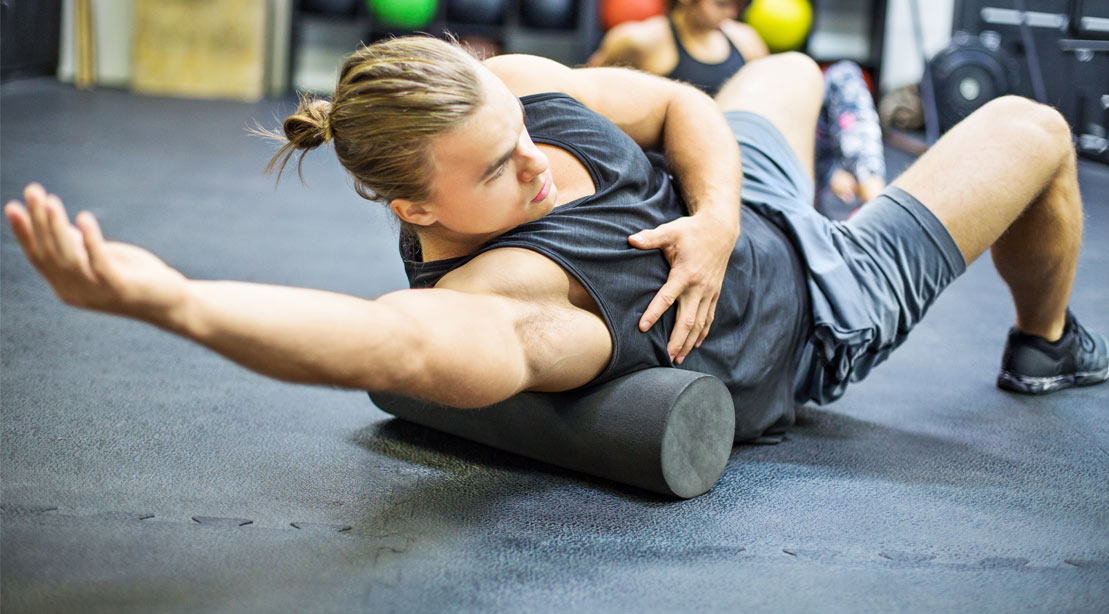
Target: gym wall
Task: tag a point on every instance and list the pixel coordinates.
(323, 31)
(901, 61)
(1070, 39)
(29, 32)
(113, 26)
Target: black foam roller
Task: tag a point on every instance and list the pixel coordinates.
(665, 430)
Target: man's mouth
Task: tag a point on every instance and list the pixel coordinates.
(543, 191)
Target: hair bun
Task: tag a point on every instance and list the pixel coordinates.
(310, 126)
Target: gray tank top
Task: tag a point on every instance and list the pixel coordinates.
(761, 315)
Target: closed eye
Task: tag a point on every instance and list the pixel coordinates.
(499, 171)
(496, 169)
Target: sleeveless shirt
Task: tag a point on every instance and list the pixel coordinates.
(705, 77)
(755, 339)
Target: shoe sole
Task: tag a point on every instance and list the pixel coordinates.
(1025, 384)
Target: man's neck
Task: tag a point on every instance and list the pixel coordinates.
(438, 243)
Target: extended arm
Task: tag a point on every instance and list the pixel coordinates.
(703, 155)
(457, 348)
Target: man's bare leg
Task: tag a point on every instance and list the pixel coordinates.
(787, 89)
(1005, 179)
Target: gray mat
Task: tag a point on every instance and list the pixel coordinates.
(142, 474)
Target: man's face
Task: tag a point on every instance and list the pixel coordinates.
(489, 176)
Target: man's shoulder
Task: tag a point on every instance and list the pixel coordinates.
(529, 74)
(536, 281)
(513, 272)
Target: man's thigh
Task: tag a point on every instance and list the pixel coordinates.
(985, 171)
(786, 89)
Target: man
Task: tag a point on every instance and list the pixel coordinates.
(518, 305)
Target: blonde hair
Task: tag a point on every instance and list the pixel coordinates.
(392, 97)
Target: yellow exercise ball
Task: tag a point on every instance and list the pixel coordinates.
(783, 24)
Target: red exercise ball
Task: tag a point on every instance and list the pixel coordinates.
(615, 12)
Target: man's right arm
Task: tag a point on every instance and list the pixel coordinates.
(456, 348)
(452, 346)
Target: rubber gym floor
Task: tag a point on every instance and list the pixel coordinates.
(144, 474)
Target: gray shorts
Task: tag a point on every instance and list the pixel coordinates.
(870, 279)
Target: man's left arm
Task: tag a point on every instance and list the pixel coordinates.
(703, 155)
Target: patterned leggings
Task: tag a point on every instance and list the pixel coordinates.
(848, 134)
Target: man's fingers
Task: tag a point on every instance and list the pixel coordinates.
(658, 306)
(60, 231)
(94, 243)
(33, 191)
(690, 331)
(20, 221)
(35, 197)
(649, 239)
(694, 327)
(710, 311)
(683, 324)
(56, 248)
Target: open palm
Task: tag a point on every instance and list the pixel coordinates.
(85, 270)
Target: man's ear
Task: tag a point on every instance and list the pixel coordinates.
(412, 212)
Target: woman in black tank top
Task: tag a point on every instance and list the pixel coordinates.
(697, 41)
(705, 76)
(700, 42)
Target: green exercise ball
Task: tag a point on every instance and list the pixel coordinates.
(407, 14)
(783, 24)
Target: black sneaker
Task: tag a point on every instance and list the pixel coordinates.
(1034, 365)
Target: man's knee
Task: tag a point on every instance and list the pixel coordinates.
(798, 61)
(792, 74)
(1041, 127)
(1026, 109)
(802, 68)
